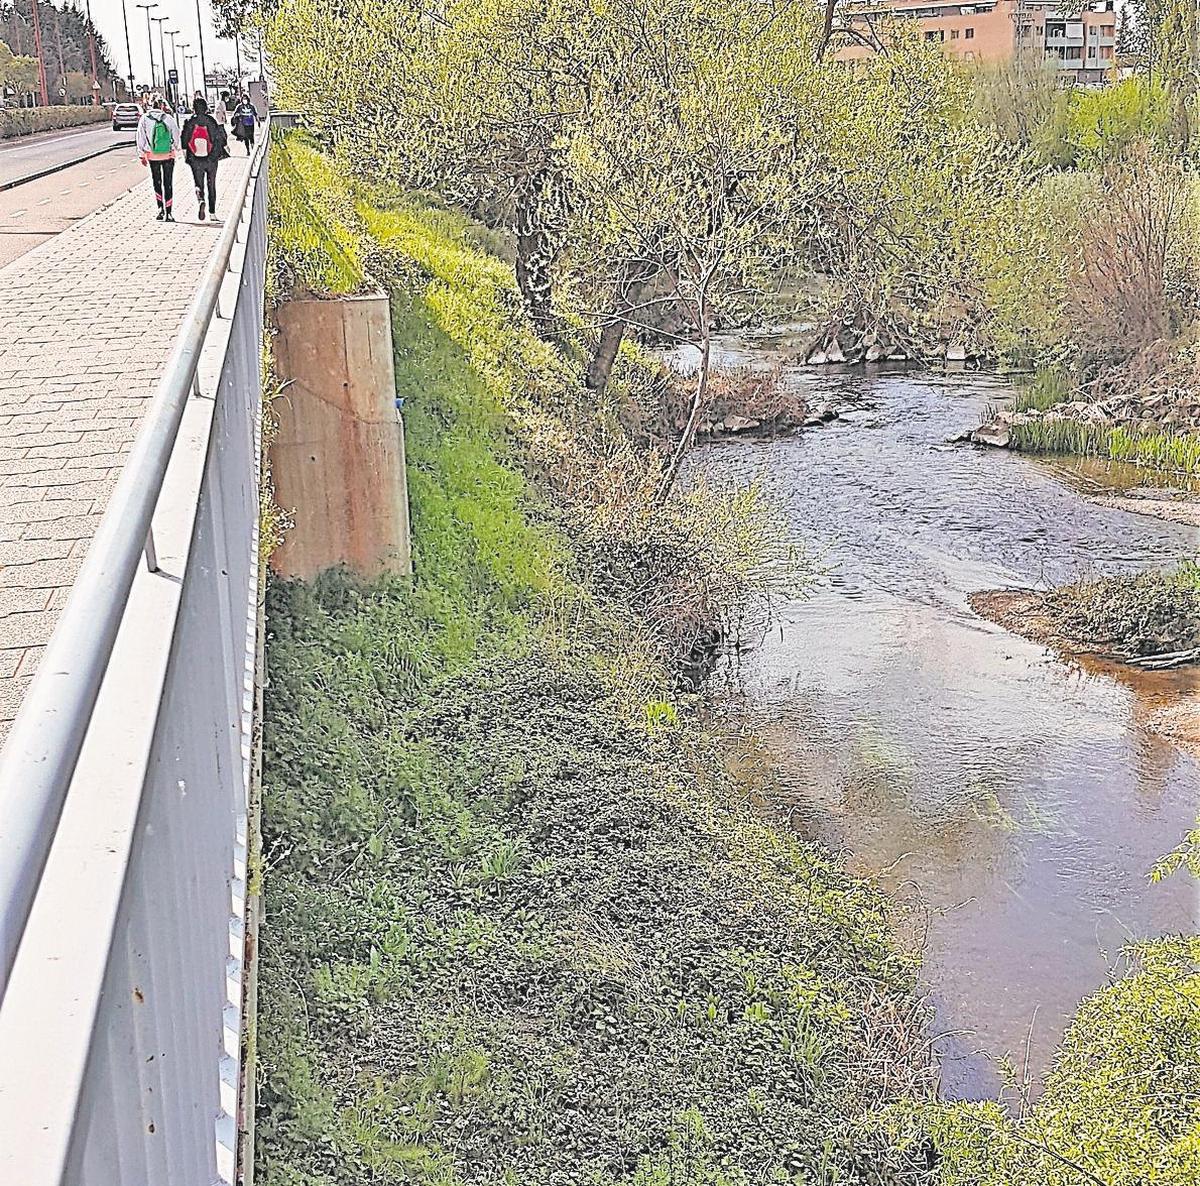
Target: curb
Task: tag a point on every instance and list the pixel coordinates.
(91, 156)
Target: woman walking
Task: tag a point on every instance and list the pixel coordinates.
(157, 144)
(204, 146)
(244, 119)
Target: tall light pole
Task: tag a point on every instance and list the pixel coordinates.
(203, 67)
(37, 42)
(193, 58)
(128, 51)
(162, 56)
(172, 34)
(184, 46)
(92, 51)
(150, 41)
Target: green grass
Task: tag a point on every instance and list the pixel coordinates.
(1160, 450)
(1046, 390)
(314, 246)
(524, 928)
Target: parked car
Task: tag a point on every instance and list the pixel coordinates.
(126, 116)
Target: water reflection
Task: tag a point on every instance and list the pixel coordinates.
(1019, 800)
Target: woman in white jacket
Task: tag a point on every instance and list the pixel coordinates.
(157, 144)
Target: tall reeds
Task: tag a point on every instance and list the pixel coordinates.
(1160, 450)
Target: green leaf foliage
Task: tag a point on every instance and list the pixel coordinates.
(1121, 1105)
(523, 929)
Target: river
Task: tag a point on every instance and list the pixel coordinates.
(1015, 802)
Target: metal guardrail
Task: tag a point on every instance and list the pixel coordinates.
(124, 785)
(39, 756)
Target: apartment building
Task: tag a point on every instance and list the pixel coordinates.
(1081, 41)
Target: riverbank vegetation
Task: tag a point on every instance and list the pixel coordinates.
(526, 927)
(1131, 618)
(523, 924)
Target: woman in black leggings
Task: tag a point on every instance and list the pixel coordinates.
(157, 144)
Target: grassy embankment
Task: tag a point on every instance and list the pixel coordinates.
(522, 925)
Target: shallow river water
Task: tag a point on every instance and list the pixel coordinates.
(1017, 801)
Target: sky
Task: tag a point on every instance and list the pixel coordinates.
(180, 14)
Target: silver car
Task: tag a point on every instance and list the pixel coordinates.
(126, 116)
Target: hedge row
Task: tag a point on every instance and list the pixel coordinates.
(23, 121)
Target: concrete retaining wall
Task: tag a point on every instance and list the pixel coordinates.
(338, 459)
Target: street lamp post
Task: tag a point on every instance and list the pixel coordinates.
(194, 58)
(150, 41)
(203, 67)
(128, 51)
(184, 46)
(172, 34)
(162, 56)
(92, 51)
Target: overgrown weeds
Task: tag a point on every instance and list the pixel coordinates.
(309, 224)
(683, 567)
(528, 942)
(522, 925)
(1151, 613)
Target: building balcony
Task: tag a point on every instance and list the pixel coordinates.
(1064, 42)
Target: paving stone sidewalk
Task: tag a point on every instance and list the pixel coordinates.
(87, 322)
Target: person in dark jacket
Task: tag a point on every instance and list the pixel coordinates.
(244, 120)
(204, 144)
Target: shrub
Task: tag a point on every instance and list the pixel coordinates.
(1104, 124)
(24, 121)
(1141, 271)
(1121, 1105)
(1149, 614)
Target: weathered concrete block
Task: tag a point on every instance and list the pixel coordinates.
(338, 460)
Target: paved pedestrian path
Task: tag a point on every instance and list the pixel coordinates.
(87, 322)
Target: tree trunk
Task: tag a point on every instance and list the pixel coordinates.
(600, 368)
(633, 284)
(535, 254)
(697, 409)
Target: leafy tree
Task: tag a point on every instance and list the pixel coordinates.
(699, 176)
(1103, 124)
(1023, 101)
(17, 72)
(1165, 36)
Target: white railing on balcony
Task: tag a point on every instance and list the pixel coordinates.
(124, 787)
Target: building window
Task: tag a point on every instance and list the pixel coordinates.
(935, 35)
(969, 56)
(953, 34)
(968, 33)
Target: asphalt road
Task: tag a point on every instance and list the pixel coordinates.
(25, 155)
(32, 213)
